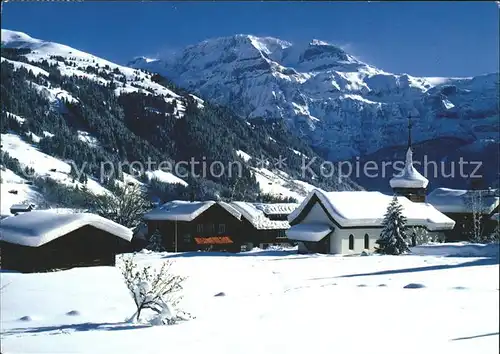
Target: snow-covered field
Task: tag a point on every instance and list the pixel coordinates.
(275, 302)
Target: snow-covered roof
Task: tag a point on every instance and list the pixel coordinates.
(181, 210)
(39, 227)
(308, 232)
(449, 200)
(20, 207)
(362, 208)
(257, 217)
(409, 176)
(276, 208)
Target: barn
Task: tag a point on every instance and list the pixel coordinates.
(43, 240)
(463, 206)
(264, 224)
(196, 225)
(350, 222)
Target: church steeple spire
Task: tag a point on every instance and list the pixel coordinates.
(409, 182)
(410, 125)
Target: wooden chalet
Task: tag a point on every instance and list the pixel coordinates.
(264, 225)
(196, 225)
(461, 206)
(43, 240)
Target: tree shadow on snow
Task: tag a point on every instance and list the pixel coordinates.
(76, 327)
(474, 263)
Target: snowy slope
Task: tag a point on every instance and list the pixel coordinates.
(280, 184)
(44, 165)
(166, 177)
(73, 62)
(17, 193)
(14, 190)
(275, 183)
(8, 176)
(276, 302)
(333, 100)
(34, 69)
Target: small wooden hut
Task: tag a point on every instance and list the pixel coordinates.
(43, 240)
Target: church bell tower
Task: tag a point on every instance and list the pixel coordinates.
(409, 182)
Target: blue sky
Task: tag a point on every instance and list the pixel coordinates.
(419, 38)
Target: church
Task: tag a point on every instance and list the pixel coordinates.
(350, 222)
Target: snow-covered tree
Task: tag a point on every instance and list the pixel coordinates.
(393, 236)
(420, 236)
(156, 242)
(156, 290)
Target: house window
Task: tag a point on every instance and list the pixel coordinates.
(351, 242)
(367, 242)
(210, 229)
(199, 228)
(222, 228)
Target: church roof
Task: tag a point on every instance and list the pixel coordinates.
(367, 209)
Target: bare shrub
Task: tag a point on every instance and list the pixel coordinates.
(156, 290)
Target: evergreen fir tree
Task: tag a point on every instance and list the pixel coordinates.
(393, 236)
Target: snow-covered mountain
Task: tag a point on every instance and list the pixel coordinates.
(339, 104)
(52, 72)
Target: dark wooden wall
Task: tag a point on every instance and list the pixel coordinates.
(464, 226)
